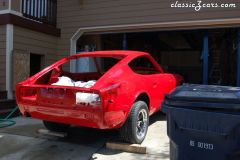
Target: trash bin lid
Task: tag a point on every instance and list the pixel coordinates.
(204, 97)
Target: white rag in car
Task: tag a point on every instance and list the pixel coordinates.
(66, 81)
(87, 84)
(80, 96)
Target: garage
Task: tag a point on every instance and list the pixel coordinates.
(207, 56)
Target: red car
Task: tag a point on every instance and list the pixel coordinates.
(118, 90)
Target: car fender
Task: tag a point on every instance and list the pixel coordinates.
(134, 100)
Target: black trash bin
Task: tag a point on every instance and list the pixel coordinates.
(203, 122)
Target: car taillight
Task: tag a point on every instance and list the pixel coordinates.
(28, 93)
(92, 99)
(110, 93)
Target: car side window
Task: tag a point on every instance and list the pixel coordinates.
(142, 65)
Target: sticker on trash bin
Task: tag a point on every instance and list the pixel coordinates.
(202, 145)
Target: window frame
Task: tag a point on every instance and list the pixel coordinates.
(156, 66)
(96, 64)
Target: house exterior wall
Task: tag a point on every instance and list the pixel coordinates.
(74, 14)
(3, 4)
(2, 57)
(16, 5)
(27, 41)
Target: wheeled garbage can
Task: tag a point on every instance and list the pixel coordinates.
(203, 122)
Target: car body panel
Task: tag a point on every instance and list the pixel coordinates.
(118, 89)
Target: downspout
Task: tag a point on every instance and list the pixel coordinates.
(238, 57)
(9, 5)
(72, 52)
(125, 43)
(9, 51)
(205, 58)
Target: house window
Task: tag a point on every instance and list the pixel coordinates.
(44, 11)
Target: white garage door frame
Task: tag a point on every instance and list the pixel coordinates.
(161, 26)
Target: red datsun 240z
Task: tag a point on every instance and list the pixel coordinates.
(105, 90)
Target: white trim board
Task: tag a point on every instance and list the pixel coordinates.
(9, 51)
(7, 11)
(9, 4)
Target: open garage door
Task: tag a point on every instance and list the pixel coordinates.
(201, 56)
(177, 52)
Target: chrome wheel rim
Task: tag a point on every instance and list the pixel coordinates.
(142, 122)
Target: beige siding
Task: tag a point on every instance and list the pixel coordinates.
(3, 4)
(73, 14)
(2, 57)
(16, 4)
(27, 41)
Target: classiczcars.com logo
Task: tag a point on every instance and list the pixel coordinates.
(198, 5)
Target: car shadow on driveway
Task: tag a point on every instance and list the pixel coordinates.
(156, 141)
(159, 116)
(89, 136)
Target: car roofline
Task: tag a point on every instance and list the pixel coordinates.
(110, 53)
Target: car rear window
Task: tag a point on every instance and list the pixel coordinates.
(91, 64)
(142, 65)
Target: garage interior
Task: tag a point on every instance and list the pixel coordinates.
(201, 56)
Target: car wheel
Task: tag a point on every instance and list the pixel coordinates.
(56, 127)
(135, 128)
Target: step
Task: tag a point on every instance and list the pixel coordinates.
(215, 77)
(3, 95)
(215, 70)
(5, 112)
(7, 104)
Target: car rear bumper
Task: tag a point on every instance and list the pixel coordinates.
(92, 118)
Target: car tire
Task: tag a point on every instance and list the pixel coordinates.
(56, 127)
(135, 128)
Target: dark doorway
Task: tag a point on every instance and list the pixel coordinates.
(36, 61)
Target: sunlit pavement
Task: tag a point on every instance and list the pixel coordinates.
(21, 141)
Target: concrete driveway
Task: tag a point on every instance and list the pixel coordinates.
(21, 142)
